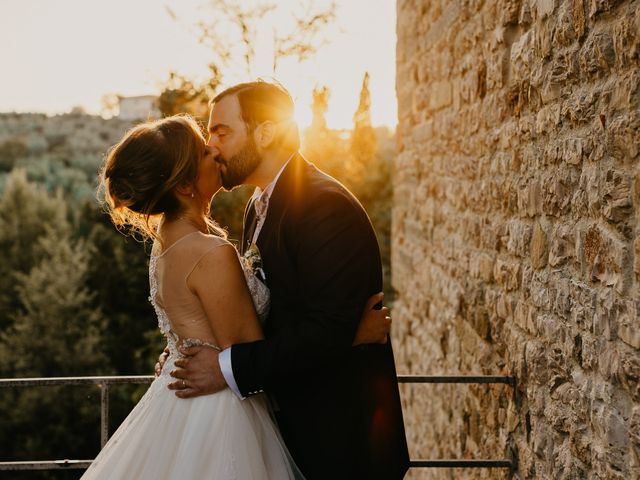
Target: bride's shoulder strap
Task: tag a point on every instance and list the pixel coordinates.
(203, 245)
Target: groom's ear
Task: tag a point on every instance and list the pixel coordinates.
(265, 134)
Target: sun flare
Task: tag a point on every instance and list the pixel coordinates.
(57, 55)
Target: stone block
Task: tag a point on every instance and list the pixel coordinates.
(440, 95)
(627, 38)
(562, 245)
(622, 136)
(536, 360)
(636, 259)
(507, 274)
(521, 58)
(579, 18)
(591, 348)
(604, 258)
(519, 238)
(524, 317)
(600, 6)
(542, 8)
(572, 150)
(629, 323)
(538, 252)
(485, 267)
(565, 32)
(628, 371)
(597, 54)
(616, 191)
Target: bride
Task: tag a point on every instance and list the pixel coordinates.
(159, 180)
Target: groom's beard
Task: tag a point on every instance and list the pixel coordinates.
(240, 165)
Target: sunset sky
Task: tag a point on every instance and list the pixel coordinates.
(56, 54)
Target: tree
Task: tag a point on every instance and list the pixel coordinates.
(233, 33)
(233, 36)
(57, 317)
(56, 331)
(27, 213)
(363, 136)
(319, 107)
(304, 40)
(183, 95)
(10, 151)
(321, 145)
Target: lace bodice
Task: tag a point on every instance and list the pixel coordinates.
(259, 294)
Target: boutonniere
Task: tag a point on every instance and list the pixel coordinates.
(253, 261)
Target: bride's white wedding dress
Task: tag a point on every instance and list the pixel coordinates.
(210, 437)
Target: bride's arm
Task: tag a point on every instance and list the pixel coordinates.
(219, 283)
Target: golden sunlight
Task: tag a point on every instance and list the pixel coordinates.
(69, 53)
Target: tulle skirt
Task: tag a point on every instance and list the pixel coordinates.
(210, 437)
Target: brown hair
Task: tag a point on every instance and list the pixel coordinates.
(141, 172)
(262, 101)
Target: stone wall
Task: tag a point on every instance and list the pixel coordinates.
(516, 233)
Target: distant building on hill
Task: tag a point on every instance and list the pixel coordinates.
(142, 107)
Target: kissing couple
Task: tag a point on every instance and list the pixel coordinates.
(278, 364)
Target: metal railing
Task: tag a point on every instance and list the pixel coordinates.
(105, 382)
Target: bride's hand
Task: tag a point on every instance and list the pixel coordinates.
(374, 325)
(162, 358)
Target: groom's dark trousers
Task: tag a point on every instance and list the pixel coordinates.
(337, 406)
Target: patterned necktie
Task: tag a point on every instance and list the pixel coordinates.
(255, 218)
(249, 227)
(261, 204)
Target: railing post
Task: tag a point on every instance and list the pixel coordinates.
(104, 413)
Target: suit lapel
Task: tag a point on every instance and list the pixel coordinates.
(285, 193)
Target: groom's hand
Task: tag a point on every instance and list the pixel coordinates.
(198, 373)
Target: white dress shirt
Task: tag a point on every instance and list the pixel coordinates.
(261, 202)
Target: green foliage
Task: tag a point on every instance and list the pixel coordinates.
(183, 95)
(56, 330)
(227, 209)
(363, 137)
(57, 317)
(27, 213)
(10, 151)
(118, 276)
(73, 302)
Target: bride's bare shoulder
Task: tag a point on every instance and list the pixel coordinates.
(218, 265)
(212, 249)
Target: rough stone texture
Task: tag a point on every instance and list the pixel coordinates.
(516, 233)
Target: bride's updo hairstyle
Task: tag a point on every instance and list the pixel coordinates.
(141, 173)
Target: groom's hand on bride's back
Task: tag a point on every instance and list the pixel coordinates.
(375, 323)
(197, 372)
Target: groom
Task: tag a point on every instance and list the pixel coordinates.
(338, 407)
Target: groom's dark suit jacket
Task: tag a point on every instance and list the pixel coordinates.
(338, 407)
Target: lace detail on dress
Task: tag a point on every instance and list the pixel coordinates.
(163, 319)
